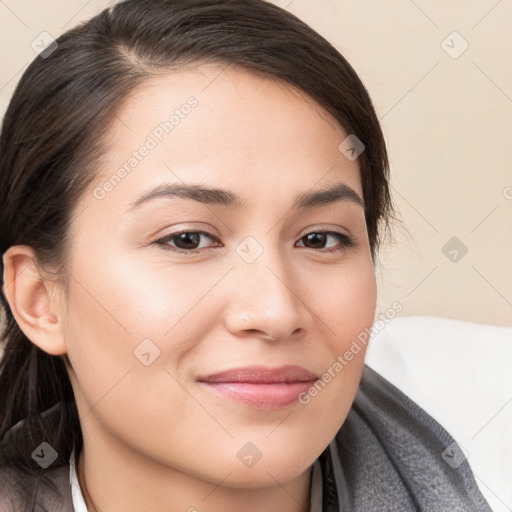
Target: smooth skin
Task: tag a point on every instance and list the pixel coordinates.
(154, 437)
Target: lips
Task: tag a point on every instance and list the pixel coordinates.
(262, 375)
(261, 387)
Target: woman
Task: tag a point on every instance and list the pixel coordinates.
(193, 195)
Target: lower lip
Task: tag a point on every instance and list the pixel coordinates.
(262, 396)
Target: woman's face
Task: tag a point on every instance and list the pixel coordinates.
(151, 314)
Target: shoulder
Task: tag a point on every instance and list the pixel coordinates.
(49, 491)
(389, 446)
(459, 372)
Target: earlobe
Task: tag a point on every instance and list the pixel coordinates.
(29, 294)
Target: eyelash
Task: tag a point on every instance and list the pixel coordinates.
(345, 241)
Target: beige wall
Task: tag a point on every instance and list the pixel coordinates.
(448, 122)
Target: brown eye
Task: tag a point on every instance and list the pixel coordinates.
(186, 241)
(318, 240)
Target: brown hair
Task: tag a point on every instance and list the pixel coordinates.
(51, 143)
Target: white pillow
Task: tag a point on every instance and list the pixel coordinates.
(461, 374)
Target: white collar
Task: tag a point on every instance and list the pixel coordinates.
(79, 503)
(76, 492)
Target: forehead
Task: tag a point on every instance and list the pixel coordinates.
(223, 124)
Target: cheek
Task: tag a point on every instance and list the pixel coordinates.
(123, 313)
(145, 297)
(345, 303)
(345, 300)
(125, 369)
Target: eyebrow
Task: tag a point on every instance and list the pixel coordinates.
(226, 198)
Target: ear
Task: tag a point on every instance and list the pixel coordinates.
(30, 294)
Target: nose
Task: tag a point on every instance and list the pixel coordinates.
(263, 302)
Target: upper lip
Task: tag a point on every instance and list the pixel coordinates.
(262, 375)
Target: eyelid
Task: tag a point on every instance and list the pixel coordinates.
(327, 228)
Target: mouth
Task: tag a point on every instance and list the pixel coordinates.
(261, 387)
